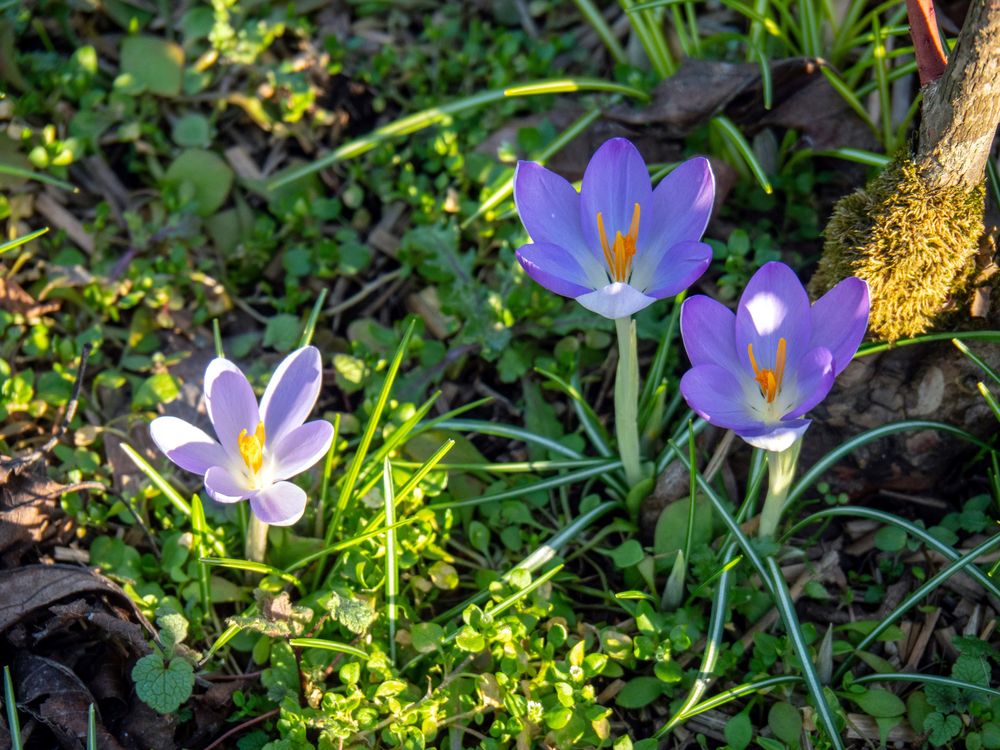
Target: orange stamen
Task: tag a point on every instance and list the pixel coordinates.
(252, 448)
(770, 380)
(619, 255)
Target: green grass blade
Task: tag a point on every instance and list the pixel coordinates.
(348, 543)
(200, 529)
(564, 480)
(858, 155)
(310, 327)
(434, 115)
(542, 554)
(497, 429)
(512, 467)
(932, 542)
(91, 728)
(994, 180)
(411, 484)
(350, 481)
(505, 604)
(849, 96)
(399, 436)
(882, 81)
(713, 646)
(992, 337)
(325, 645)
(217, 339)
(977, 359)
(249, 566)
(591, 424)
(226, 636)
(766, 81)
(18, 241)
(650, 34)
(505, 190)
(391, 560)
(13, 721)
(926, 679)
(692, 491)
(820, 467)
(736, 139)
(786, 608)
(596, 20)
(810, 30)
(654, 375)
(670, 452)
(747, 688)
(914, 598)
(991, 400)
(29, 174)
(324, 486)
(746, 546)
(157, 479)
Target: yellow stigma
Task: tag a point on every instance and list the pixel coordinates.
(619, 255)
(252, 448)
(769, 380)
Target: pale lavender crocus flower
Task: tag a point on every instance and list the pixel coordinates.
(259, 447)
(617, 246)
(759, 371)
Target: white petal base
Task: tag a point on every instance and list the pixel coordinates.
(617, 300)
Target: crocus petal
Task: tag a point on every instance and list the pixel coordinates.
(678, 269)
(719, 397)
(555, 268)
(231, 404)
(281, 504)
(224, 486)
(813, 381)
(549, 208)
(678, 211)
(840, 319)
(615, 180)
(615, 300)
(773, 306)
(186, 445)
(301, 448)
(776, 438)
(708, 331)
(292, 392)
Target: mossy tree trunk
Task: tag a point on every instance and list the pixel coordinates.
(914, 233)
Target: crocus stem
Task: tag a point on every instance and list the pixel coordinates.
(627, 400)
(780, 473)
(256, 539)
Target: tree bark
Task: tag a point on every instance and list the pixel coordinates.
(961, 110)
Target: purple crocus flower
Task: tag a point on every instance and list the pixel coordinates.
(258, 448)
(617, 245)
(759, 371)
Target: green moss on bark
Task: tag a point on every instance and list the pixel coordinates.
(914, 245)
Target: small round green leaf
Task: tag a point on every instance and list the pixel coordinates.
(163, 687)
(786, 723)
(880, 703)
(153, 63)
(639, 692)
(205, 174)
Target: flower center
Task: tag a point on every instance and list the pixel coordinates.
(769, 380)
(619, 255)
(252, 448)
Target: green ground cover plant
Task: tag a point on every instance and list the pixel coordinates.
(518, 521)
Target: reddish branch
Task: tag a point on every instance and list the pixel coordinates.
(931, 57)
